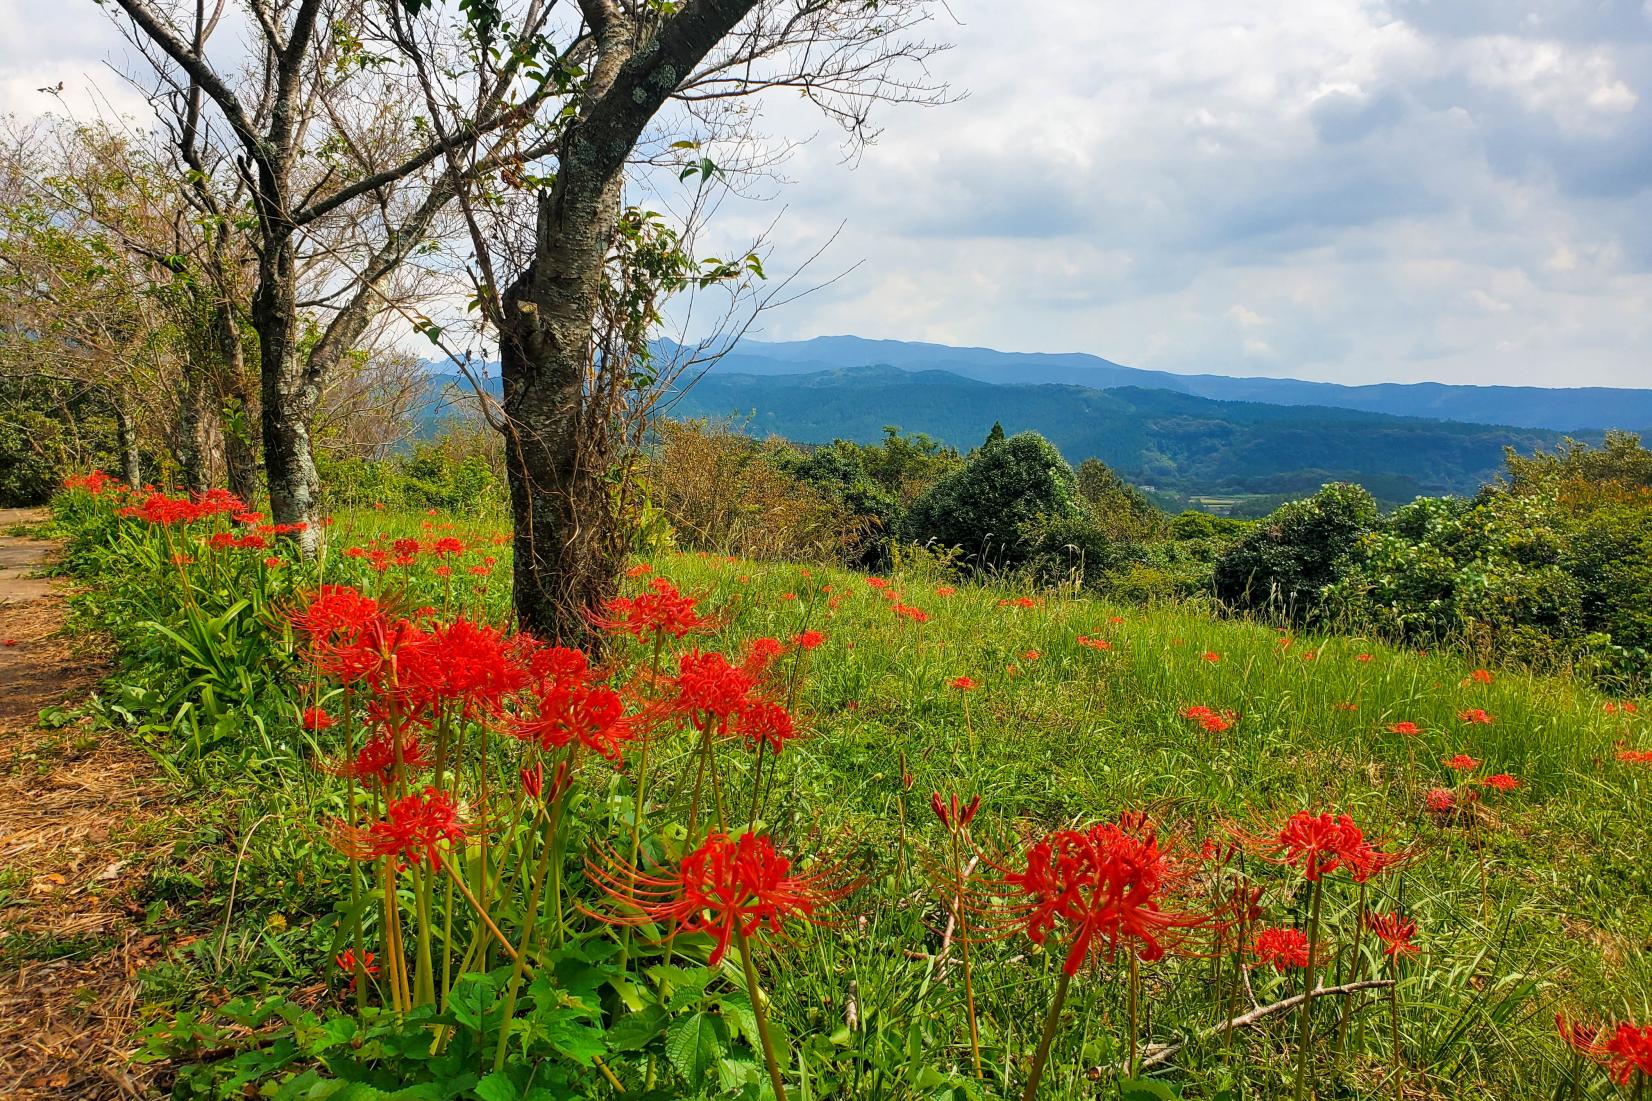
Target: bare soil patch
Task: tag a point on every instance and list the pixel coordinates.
(72, 808)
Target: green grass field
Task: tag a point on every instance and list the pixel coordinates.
(1538, 902)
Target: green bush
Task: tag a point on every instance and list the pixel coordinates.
(1283, 564)
(1003, 491)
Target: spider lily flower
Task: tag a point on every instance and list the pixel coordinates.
(728, 886)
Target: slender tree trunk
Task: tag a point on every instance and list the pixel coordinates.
(193, 422)
(126, 438)
(564, 561)
(235, 409)
(288, 395)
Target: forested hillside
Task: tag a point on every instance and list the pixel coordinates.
(1155, 438)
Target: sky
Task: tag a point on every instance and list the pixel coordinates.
(1348, 190)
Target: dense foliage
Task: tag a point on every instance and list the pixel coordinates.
(1282, 565)
(1553, 565)
(1011, 498)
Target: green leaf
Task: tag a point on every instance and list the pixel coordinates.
(1145, 1089)
(635, 1031)
(694, 1044)
(498, 1087)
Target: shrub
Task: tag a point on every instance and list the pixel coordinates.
(1003, 491)
(726, 492)
(1293, 554)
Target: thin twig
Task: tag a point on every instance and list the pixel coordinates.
(1165, 1052)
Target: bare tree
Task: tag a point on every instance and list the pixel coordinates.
(657, 85)
(343, 187)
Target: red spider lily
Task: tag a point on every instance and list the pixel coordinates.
(1318, 844)
(1031, 655)
(1284, 948)
(464, 662)
(1213, 721)
(763, 723)
(1501, 781)
(1395, 930)
(552, 663)
(760, 654)
(877, 582)
(1440, 801)
(446, 547)
(1635, 756)
(725, 886)
(533, 779)
(1094, 643)
(945, 590)
(641, 569)
(1364, 861)
(1107, 885)
(1115, 619)
(661, 610)
(92, 483)
(346, 961)
(316, 718)
(367, 654)
(1475, 716)
(963, 684)
(1211, 656)
(954, 815)
(1462, 762)
(376, 759)
(1479, 676)
(709, 690)
(1409, 729)
(1347, 705)
(411, 831)
(1362, 658)
(568, 710)
(1626, 708)
(916, 615)
(808, 640)
(405, 548)
(1623, 1050)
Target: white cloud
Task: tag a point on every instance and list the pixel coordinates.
(1388, 189)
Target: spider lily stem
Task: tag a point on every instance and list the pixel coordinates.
(1051, 1021)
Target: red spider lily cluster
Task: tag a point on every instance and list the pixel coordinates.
(1283, 948)
(1317, 845)
(158, 508)
(1623, 1050)
(1106, 887)
(1209, 719)
(94, 483)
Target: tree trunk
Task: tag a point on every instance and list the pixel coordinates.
(287, 394)
(235, 409)
(564, 562)
(193, 444)
(126, 438)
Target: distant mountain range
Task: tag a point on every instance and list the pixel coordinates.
(1566, 410)
(1185, 436)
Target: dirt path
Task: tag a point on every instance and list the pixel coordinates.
(72, 805)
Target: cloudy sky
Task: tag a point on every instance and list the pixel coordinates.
(1457, 190)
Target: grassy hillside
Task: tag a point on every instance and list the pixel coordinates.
(1152, 437)
(1055, 711)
